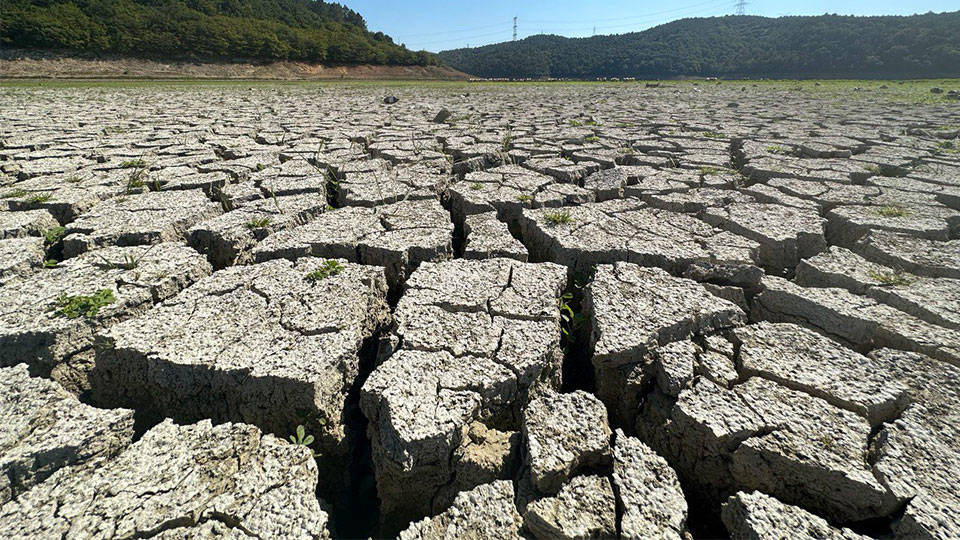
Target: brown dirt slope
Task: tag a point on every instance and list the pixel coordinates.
(18, 64)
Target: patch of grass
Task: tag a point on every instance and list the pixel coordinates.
(524, 198)
(880, 170)
(133, 164)
(592, 138)
(53, 235)
(15, 194)
(129, 261)
(894, 278)
(893, 211)
(625, 150)
(476, 186)
(73, 307)
(710, 171)
(777, 149)
(949, 147)
(39, 198)
(713, 135)
(258, 223)
(260, 167)
(558, 217)
(507, 141)
(325, 270)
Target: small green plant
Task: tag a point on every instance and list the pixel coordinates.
(325, 270)
(15, 194)
(39, 198)
(777, 149)
(476, 186)
(895, 278)
(524, 198)
(625, 150)
(50, 263)
(591, 138)
(570, 321)
(827, 441)
(133, 164)
(302, 438)
(136, 180)
(949, 147)
(558, 217)
(713, 135)
(507, 141)
(129, 261)
(576, 123)
(260, 167)
(893, 211)
(73, 307)
(258, 223)
(709, 171)
(53, 235)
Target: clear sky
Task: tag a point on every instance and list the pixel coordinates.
(437, 25)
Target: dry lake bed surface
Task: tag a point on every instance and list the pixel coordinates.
(480, 311)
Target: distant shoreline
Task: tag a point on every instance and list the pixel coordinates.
(28, 64)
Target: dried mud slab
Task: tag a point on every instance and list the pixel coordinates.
(229, 238)
(149, 218)
(45, 428)
(628, 230)
(26, 223)
(758, 516)
(398, 237)
(584, 508)
(49, 319)
(486, 511)
(175, 480)
(858, 320)
(20, 257)
(564, 433)
(648, 491)
(487, 238)
(271, 344)
(763, 436)
(474, 341)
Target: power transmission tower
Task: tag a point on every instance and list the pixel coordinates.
(741, 7)
(514, 28)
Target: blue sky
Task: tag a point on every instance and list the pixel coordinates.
(437, 25)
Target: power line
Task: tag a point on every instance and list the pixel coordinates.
(504, 33)
(457, 31)
(621, 19)
(638, 21)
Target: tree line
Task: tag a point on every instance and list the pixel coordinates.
(307, 30)
(735, 46)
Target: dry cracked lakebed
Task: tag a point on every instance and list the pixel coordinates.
(601, 311)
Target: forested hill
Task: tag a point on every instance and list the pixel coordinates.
(309, 30)
(735, 46)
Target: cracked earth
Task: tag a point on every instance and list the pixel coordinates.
(571, 311)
